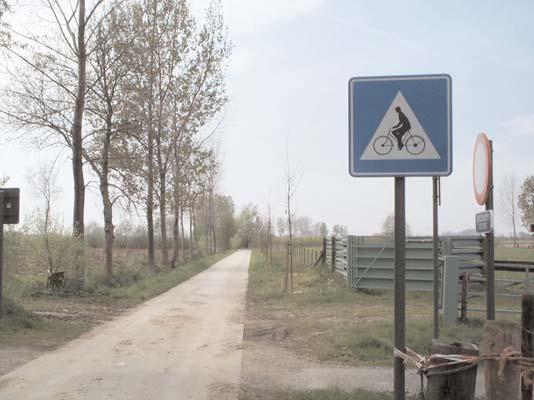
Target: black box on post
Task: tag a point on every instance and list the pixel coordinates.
(11, 209)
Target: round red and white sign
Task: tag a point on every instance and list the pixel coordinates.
(481, 168)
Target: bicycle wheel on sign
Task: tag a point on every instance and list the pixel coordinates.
(382, 145)
(415, 145)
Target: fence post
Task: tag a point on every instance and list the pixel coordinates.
(350, 244)
(499, 335)
(333, 253)
(324, 251)
(450, 288)
(527, 339)
(463, 298)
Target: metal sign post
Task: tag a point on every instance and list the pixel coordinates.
(490, 247)
(401, 126)
(483, 188)
(9, 214)
(436, 199)
(400, 286)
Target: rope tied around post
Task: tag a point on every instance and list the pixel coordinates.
(429, 365)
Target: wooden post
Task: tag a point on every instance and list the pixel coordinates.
(324, 251)
(333, 253)
(527, 341)
(463, 300)
(499, 335)
(444, 383)
(286, 276)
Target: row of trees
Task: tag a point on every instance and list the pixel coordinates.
(126, 86)
(516, 204)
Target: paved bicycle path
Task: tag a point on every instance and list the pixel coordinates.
(184, 344)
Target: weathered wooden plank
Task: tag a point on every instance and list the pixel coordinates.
(500, 335)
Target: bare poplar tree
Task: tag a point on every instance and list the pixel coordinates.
(290, 181)
(43, 182)
(106, 99)
(48, 91)
(508, 198)
(269, 237)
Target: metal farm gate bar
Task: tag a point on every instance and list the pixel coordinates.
(367, 261)
(336, 254)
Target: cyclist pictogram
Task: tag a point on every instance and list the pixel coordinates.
(413, 144)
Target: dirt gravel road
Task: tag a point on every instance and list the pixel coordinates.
(184, 344)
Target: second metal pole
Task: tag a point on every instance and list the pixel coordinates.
(435, 248)
(490, 250)
(400, 287)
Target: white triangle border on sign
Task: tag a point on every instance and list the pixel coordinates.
(389, 120)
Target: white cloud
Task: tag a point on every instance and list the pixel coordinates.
(522, 125)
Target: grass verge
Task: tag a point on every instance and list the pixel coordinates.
(503, 253)
(329, 322)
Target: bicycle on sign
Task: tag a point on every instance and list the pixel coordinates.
(413, 144)
(402, 133)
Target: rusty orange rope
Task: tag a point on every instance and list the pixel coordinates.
(427, 365)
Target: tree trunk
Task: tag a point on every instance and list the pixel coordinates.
(290, 243)
(183, 231)
(195, 230)
(77, 151)
(163, 221)
(175, 236)
(270, 244)
(176, 195)
(212, 223)
(150, 202)
(108, 228)
(150, 184)
(207, 229)
(516, 245)
(109, 236)
(51, 268)
(191, 232)
(150, 148)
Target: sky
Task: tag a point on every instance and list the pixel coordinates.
(287, 84)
